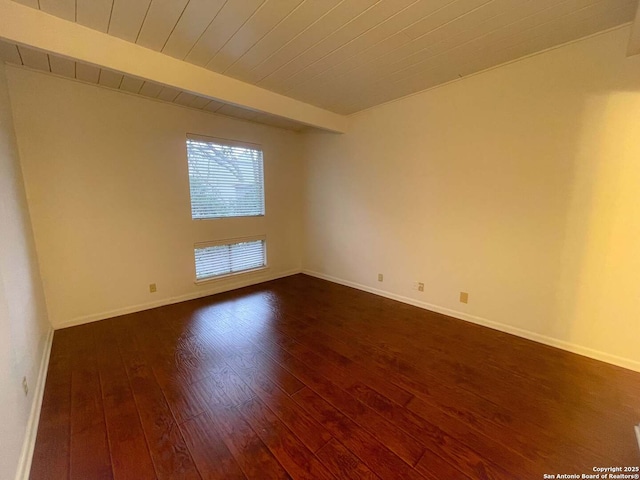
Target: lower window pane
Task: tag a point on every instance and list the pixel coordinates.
(231, 258)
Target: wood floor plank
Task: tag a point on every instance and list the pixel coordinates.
(170, 455)
(237, 349)
(402, 444)
(517, 433)
(465, 369)
(254, 458)
(89, 452)
(372, 452)
(212, 457)
(51, 457)
(436, 440)
(127, 443)
(455, 450)
(223, 388)
(367, 416)
(507, 426)
(344, 464)
(297, 460)
(346, 372)
(171, 372)
(310, 432)
(257, 370)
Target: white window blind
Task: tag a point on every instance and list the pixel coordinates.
(216, 260)
(226, 178)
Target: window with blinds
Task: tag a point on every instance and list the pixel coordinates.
(224, 259)
(226, 178)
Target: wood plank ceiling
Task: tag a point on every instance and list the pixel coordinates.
(37, 60)
(342, 55)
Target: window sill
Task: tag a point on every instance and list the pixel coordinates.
(260, 215)
(230, 275)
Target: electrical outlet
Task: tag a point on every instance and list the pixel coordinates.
(421, 287)
(380, 277)
(464, 297)
(152, 288)
(25, 386)
(414, 286)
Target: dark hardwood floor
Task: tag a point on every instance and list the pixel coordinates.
(302, 378)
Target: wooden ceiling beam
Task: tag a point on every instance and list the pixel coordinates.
(34, 28)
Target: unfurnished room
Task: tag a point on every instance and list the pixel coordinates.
(319, 239)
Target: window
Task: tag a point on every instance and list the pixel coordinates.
(217, 259)
(226, 178)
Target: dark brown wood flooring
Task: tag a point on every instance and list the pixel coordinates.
(302, 378)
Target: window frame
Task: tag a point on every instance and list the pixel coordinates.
(227, 142)
(230, 241)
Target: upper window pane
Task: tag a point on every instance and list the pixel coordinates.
(226, 180)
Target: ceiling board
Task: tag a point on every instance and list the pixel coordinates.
(314, 33)
(390, 29)
(87, 73)
(185, 99)
(110, 79)
(361, 81)
(150, 89)
(94, 14)
(213, 106)
(127, 17)
(531, 15)
(199, 102)
(226, 23)
(360, 24)
(471, 58)
(168, 94)
(29, 3)
(302, 17)
(192, 24)
(264, 20)
(62, 66)
(440, 39)
(343, 55)
(34, 58)
(9, 53)
(237, 112)
(443, 23)
(449, 12)
(159, 22)
(130, 84)
(60, 8)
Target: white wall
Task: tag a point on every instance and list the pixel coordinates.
(520, 185)
(23, 321)
(108, 188)
(517, 185)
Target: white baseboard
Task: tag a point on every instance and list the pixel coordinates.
(26, 456)
(224, 286)
(529, 335)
